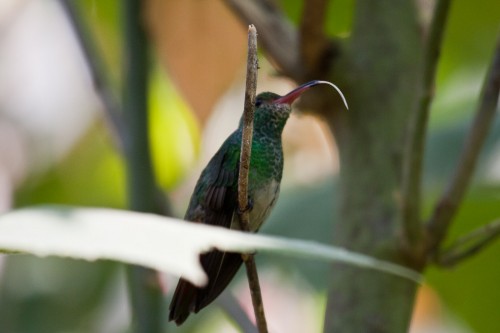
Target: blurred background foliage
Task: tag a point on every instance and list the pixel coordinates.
(56, 147)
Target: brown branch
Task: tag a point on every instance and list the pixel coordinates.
(469, 245)
(412, 164)
(447, 206)
(312, 36)
(255, 293)
(246, 143)
(277, 35)
(248, 114)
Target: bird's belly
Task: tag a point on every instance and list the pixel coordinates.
(263, 200)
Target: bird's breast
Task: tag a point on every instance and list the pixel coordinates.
(263, 200)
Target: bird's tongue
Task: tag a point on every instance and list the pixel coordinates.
(294, 94)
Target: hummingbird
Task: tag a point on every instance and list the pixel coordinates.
(214, 199)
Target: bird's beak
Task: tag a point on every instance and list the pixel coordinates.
(294, 94)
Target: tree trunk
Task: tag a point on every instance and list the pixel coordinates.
(379, 71)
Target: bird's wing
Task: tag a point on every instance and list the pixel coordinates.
(213, 202)
(221, 197)
(215, 195)
(220, 205)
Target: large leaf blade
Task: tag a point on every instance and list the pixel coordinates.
(162, 243)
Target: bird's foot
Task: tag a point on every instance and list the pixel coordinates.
(249, 207)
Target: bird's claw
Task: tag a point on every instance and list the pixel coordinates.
(249, 207)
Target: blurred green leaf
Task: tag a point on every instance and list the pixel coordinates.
(470, 38)
(103, 20)
(174, 132)
(471, 288)
(339, 15)
(91, 174)
(53, 295)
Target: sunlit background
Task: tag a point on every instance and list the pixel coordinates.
(57, 146)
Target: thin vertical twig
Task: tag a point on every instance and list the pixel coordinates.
(129, 123)
(144, 287)
(313, 40)
(413, 159)
(94, 61)
(246, 143)
(279, 37)
(449, 202)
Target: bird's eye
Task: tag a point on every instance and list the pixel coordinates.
(258, 102)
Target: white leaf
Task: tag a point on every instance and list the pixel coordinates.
(163, 243)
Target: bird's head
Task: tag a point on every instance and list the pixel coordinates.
(273, 110)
